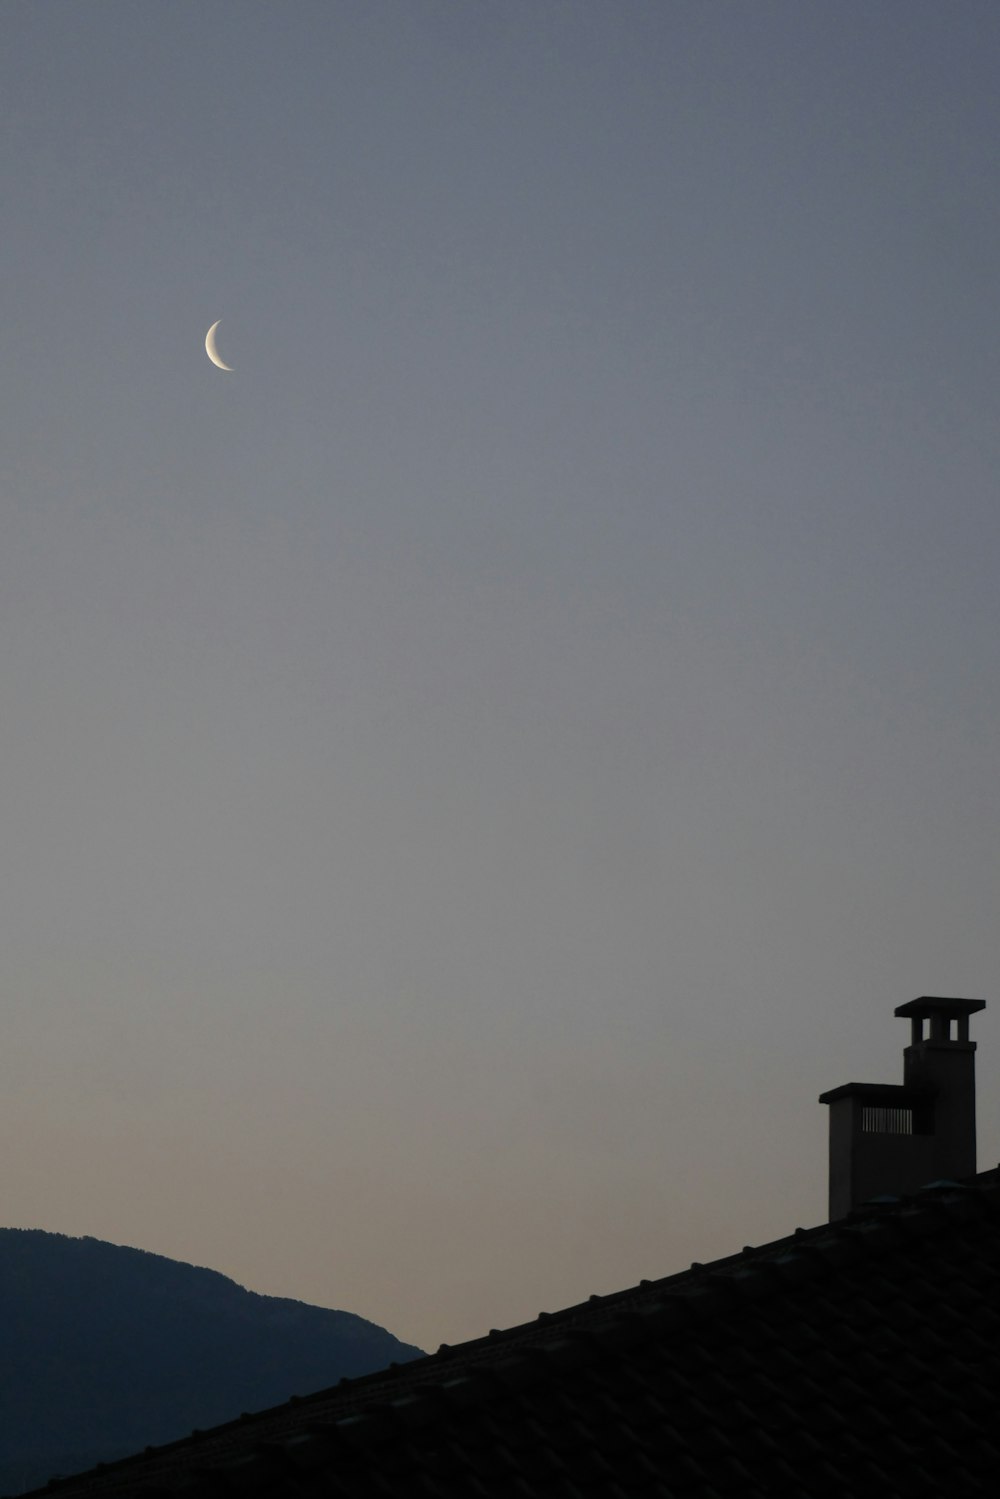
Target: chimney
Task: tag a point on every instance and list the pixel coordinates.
(887, 1139)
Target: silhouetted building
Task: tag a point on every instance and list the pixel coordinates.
(860, 1357)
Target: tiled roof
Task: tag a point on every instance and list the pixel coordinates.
(859, 1357)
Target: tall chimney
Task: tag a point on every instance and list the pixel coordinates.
(890, 1139)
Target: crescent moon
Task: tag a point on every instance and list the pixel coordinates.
(212, 351)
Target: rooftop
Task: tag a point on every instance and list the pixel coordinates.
(860, 1356)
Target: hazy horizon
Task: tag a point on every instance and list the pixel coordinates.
(474, 774)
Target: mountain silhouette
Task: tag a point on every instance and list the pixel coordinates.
(105, 1350)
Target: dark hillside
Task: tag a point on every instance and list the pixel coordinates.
(105, 1350)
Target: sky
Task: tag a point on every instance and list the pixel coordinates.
(473, 775)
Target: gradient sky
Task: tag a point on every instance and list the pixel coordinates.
(472, 776)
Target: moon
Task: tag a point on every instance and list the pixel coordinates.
(212, 351)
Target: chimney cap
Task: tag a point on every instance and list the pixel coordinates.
(931, 1004)
(880, 1095)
